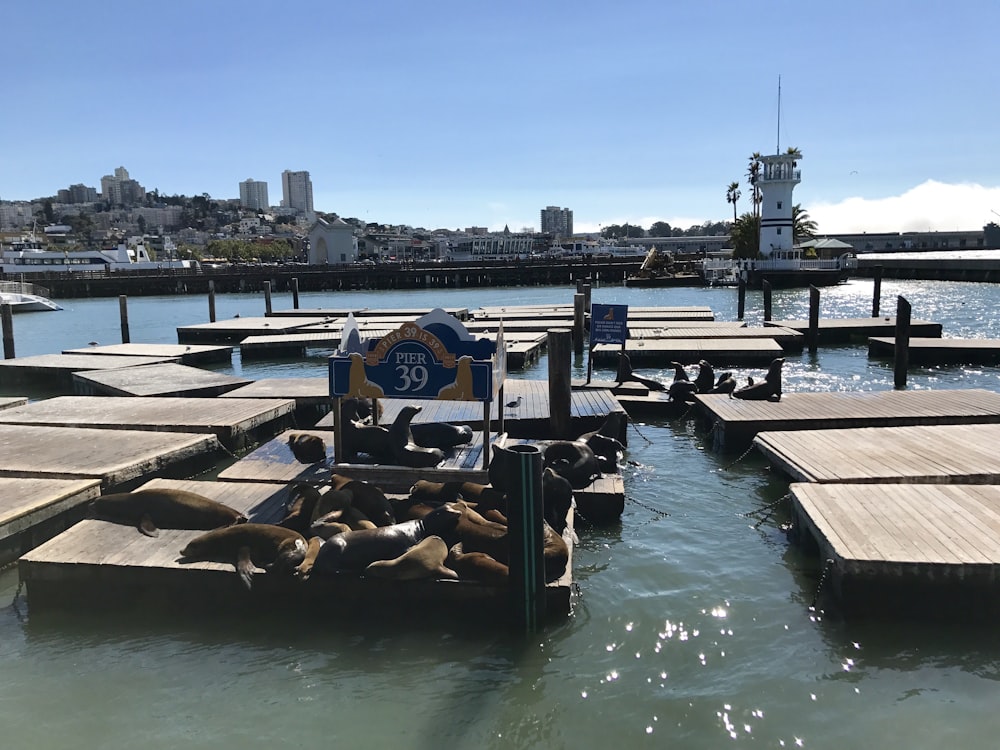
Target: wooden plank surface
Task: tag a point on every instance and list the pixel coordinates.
(841, 329)
(113, 456)
(304, 391)
(26, 500)
(62, 366)
(933, 351)
(237, 329)
(186, 353)
(721, 352)
(168, 379)
(946, 454)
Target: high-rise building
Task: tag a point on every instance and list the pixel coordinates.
(297, 191)
(120, 190)
(253, 195)
(557, 221)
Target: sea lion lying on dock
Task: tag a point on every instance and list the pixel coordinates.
(166, 508)
(769, 389)
(405, 451)
(312, 512)
(573, 460)
(425, 559)
(440, 434)
(307, 449)
(247, 546)
(367, 498)
(476, 566)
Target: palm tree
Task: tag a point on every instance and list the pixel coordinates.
(794, 151)
(803, 226)
(745, 236)
(753, 176)
(733, 195)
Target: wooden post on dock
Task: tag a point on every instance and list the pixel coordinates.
(338, 429)
(211, 300)
(267, 297)
(123, 311)
(578, 323)
(813, 319)
(765, 287)
(901, 362)
(560, 385)
(525, 532)
(7, 316)
(586, 297)
(295, 293)
(741, 298)
(877, 291)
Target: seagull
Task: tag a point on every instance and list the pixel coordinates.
(514, 404)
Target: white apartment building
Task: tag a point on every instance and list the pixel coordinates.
(253, 195)
(297, 191)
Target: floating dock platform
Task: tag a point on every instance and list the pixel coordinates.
(167, 379)
(58, 369)
(832, 330)
(35, 510)
(723, 352)
(190, 354)
(939, 351)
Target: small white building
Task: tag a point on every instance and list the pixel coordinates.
(332, 242)
(778, 177)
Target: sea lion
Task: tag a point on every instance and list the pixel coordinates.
(725, 384)
(605, 443)
(371, 440)
(405, 451)
(626, 374)
(307, 449)
(436, 493)
(356, 550)
(557, 493)
(166, 508)
(247, 546)
(476, 566)
(705, 379)
(311, 512)
(574, 460)
(425, 559)
(679, 372)
(440, 434)
(682, 391)
(481, 535)
(769, 389)
(367, 498)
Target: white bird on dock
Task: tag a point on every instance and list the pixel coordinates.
(514, 404)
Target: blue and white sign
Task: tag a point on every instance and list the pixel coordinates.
(608, 324)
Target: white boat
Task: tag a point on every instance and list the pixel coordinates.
(28, 256)
(24, 297)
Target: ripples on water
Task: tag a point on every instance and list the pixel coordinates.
(693, 627)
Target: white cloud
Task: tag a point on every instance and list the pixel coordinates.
(931, 206)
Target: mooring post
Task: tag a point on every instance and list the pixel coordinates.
(560, 385)
(295, 293)
(813, 319)
(765, 287)
(586, 295)
(525, 531)
(578, 323)
(741, 298)
(123, 311)
(211, 300)
(7, 315)
(338, 430)
(267, 297)
(877, 291)
(901, 362)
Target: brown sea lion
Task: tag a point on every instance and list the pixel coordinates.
(625, 374)
(312, 512)
(405, 451)
(425, 559)
(476, 566)
(705, 379)
(360, 438)
(573, 460)
(440, 434)
(435, 493)
(769, 389)
(307, 449)
(557, 494)
(247, 546)
(725, 384)
(367, 498)
(165, 508)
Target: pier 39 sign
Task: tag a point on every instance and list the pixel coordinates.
(433, 357)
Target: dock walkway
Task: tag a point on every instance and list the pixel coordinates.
(939, 351)
(33, 510)
(721, 352)
(844, 329)
(190, 354)
(167, 379)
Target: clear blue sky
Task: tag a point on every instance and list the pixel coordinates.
(459, 113)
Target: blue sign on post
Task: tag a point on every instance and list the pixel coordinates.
(608, 324)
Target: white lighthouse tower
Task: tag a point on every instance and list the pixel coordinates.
(779, 174)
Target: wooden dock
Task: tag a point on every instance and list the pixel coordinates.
(117, 458)
(721, 352)
(236, 423)
(190, 354)
(304, 391)
(896, 548)
(115, 565)
(940, 351)
(288, 344)
(34, 510)
(58, 369)
(167, 379)
(235, 330)
(844, 329)
(734, 423)
(927, 454)
(411, 313)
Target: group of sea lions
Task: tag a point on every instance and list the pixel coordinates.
(683, 389)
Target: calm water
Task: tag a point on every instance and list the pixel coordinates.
(693, 629)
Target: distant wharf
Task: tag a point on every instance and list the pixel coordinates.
(896, 549)
(940, 351)
(932, 454)
(735, 422)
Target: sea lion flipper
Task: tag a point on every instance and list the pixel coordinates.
(147, 527)
(245, 566)
(304, 569)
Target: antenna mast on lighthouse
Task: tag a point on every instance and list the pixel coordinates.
(778, 148)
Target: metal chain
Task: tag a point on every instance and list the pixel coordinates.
(17, 594)
(742, 456)
(767, 510)
(650, 508)
(824, 576)
(639, 433)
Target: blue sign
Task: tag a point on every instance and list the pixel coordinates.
(608, 324)
(413, 362)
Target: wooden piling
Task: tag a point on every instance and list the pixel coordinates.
(7, 315)
(901, 362)
(267, 297)
(578, 310)
(586, 296)
(211, 300)
(741, 298)
(877, 291)
(525, 531)
(123, 312)
(560, 385)
(295, 293)
(765, 287)
(813, 334)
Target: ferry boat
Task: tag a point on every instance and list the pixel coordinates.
(28, 256)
